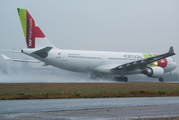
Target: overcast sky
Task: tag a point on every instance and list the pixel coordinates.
(147, 26)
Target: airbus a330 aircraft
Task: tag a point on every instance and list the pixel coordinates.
(96, 62)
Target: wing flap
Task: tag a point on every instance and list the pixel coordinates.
(43, 53)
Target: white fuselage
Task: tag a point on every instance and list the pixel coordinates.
(98, 62)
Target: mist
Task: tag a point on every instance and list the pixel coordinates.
(28, 74)
(25, 73)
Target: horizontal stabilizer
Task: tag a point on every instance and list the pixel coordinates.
(5, 57)
(19, 60)
(10, 51)
(43, 53)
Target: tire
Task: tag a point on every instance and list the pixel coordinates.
(125, 79)
(161, 79)
(121, 79)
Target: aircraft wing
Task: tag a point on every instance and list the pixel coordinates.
(141, 64)
(19, 60)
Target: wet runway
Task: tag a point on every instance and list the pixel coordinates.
(73, 109)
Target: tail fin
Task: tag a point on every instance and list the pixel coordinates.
(35, 38)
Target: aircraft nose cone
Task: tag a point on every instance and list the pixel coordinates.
(175, 65)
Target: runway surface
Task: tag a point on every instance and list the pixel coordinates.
(75, 109)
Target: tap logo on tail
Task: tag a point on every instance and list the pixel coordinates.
(31, 31)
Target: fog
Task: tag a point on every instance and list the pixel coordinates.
(28, 74)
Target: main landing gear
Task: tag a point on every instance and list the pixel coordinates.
(161, 79)
(121, 79)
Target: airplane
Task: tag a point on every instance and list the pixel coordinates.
(103, 63)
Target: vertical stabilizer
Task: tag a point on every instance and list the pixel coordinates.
(34, 37)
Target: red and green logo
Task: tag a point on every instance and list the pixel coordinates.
(162, 63)
(30, 30)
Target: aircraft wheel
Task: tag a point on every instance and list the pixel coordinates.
(161, 79)
(121, 79)
(116, 78)
(125, 79)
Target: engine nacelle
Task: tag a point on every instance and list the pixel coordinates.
(154, 72)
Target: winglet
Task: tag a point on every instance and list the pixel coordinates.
(5, 57)
(171, 50)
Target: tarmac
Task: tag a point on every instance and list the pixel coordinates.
(80, 109)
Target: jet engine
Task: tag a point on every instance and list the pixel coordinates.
(154, 72)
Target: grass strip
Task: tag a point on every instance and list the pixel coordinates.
(86, 90)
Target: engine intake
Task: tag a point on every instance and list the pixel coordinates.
(154, 72)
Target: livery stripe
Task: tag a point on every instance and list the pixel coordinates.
(157, 63)
(151, 55)
(23, 18)
(146, 55)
